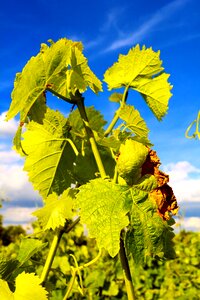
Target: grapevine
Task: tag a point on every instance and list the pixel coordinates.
(107, 179)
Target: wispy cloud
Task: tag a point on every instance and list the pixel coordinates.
(7, 128)
(13, 215)
(112, 20)
(111, 23)
(185, 181)
(140, 33)
(190, 224)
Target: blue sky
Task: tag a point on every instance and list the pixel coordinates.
(106, 29)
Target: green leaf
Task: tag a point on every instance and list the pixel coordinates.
(156, 93)
(134, 121)
(96, 121)
(28, 248)
(141, 70)
(110, 142)
(17, 141)
(146, 183)
(5, 292)
(149, 234)
(116, 97)
(103, 208)
(38, 110)
(28, 287)
(85, 167)
(132, 155)
(60, 67)
(50, 156)
(7, 267)
(44, 69)
(56, 210)
(79, 76)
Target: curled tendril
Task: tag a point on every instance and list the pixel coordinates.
(196, 133)
(76, 271)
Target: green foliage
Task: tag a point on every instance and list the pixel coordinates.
(56, 211)
(134, 121)
(60, 66)
(141, 71)
(86, 173)
(50, 154)
(155, 280)
(27, 285)
(103, 207)
(132, 156)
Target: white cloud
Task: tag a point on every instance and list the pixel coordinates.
(14, 184)
(7, 128)
(137, 35)
(9, 157)
(19, 215)
(185, 181)
(112, 20)
(190, 224)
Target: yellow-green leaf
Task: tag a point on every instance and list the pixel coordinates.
(134, 121)
(5, 292)
(141, 70)
(60, 68)
(56, 210)
(28, 287)
(50, 155)
(103, 208)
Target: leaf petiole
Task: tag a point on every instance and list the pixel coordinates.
(116, 116)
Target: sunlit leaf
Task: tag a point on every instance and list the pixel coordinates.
(5, 292)
(56, 210)
(116, 97)
(134, 121)
(50, 155)
(103, 208)
(28, 248)
(141, 70)
(60, 68)
(132, 155)
(28, 287)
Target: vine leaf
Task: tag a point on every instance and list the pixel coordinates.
(79, 76)
(7, 267)
(5, 291)
(149, 234)
(103, 208)
(54, 66)
(50, 156)
(134, 121)
(28, 248)
(28, 287)
(132, 155)
(141, 70)
(116, 97)
(96, 121)
(56, 210)
(46, 68)
(87, 162)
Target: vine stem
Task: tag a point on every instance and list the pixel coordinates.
(51, 255)
(53, 249)
(116, 116)
(126, 272)
(81, 108)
